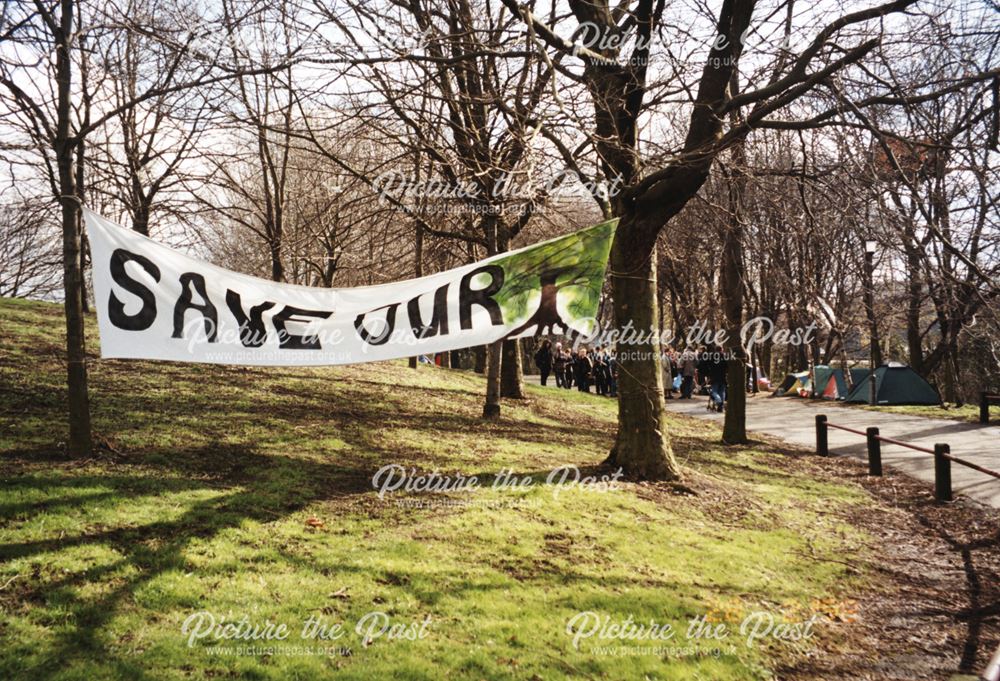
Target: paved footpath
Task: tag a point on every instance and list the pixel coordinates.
(794, 420)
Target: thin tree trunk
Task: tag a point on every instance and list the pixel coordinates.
(480, 361)
(418, 269)
(913, 290)
(734, 429)
(511, 378)
(642, 447)
(140, 223)
(76, 355)
(85, 305)
(957, 397)
(277, 268)
(491, 408)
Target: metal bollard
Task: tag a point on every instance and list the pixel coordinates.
(822, 447)
(874, 452)
(942, 473)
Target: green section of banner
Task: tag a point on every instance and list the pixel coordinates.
(555, 287)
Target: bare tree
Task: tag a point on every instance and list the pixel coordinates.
(616, 71)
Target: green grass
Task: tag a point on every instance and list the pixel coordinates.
(198, 501)
(967, 412)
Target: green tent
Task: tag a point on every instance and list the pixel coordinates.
(896, 384)
(831, 384)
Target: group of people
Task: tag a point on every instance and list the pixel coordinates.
(584, 369)
(700, 368)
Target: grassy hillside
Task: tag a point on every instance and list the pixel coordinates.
(249, 492)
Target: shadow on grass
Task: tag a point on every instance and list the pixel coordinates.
(274, 488)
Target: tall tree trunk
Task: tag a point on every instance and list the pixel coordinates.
(491, 408)
(277, 268)
(80, 168)
(734, 429)
(140, 222)
(511, 377)
(913, 290)
(76, 355)
(418, 267)
(642, 447)
(957, 396)
(876, 348)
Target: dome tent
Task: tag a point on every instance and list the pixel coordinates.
(793, 384)
(896, 384)
(831, 384)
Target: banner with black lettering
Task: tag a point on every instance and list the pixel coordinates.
(154, 302)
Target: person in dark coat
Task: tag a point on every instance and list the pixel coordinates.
(559, 361)
(543, 360)
(569, 370)
(717, 379)
(583, 370)
(704, 371)
(601, 371)
(689, 369)
(612, 373)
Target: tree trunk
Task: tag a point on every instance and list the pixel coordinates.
(277, 268)
(140, 221)
(957, 396)
(76, 355)
(480, 362)
(491, 408)
(913, 290)
(875, 349)
(80, 169)
(511, 379)
(734, 429)
(418, 270)
(642, 447)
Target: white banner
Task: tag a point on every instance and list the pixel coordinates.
(154, 302)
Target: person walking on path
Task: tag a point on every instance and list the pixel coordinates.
(688, 368)
(717, 379)
(671, 370)
(543, 360)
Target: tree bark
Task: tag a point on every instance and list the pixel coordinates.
(913, 299)
(511, 378)
(491, 408)
(418, 270)
(80, 169)
(642, 447)
(734, 428)
(76, 355)
(277, 267)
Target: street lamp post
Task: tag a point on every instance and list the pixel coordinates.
(873, 357)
